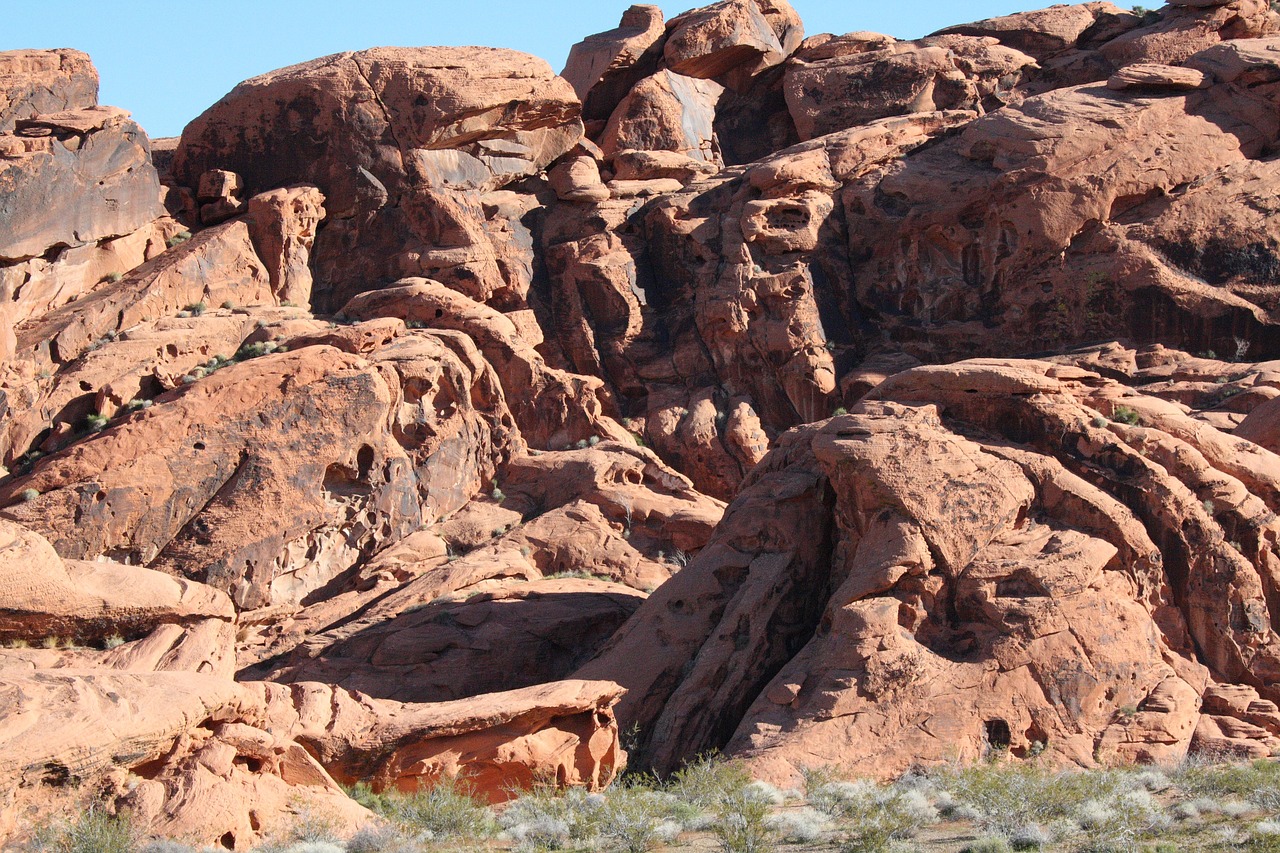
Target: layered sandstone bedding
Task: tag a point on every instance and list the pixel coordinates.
(834, 400)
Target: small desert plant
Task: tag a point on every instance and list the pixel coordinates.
(1118, 823)
(178, 239)
(707, 780)
(989, 845)
(94, 422)
(1207, 783)
(112, 642)
(1126, 415)
(545, 818)
(196, 308)
(447, 809)
(741, 824)
(878, 815)
(803, 826)
(113, 277)
(631, 820)
(839, 410)
(137, 404)
(94, 831)
(255, 350)
(1013, 800)
(28, 495)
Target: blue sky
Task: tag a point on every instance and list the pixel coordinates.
(167, 61)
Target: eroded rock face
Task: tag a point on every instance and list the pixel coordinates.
(387, 161)
(225, 763)
(602, 68)
(78, 193)
(363, 399)
(907, 622)
(33, 82)
(939, 73)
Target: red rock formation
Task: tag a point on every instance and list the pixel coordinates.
(393, 167)
(1072, 566)
(226, 509)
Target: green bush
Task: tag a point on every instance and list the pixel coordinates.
(447, 809)
(877, 815)
(707, 781)
(1126, 415)
(631, 820)
(547, 819)
(741, 824)
(95, 831)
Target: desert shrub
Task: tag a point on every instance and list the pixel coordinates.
(309, 828)
(381, 839)
(707, 781)
(988, 845)
(1008, 800)
(28, 495)
(1256, 781)
(93, 831)
(631, 820)
(741, 823)
(877, 815)
(547, 819)
(254, 350)
(196, 308)
(378, 802)
(95, 422)
(1116, 825)
(1263, 837)
(447, 809)
(1126, 415)
(802, 826)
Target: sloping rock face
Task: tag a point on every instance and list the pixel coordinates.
(78, 193)
(1071, 568)
(382, 427)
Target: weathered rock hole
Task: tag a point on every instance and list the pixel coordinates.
(998, 734)
(228, 841)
